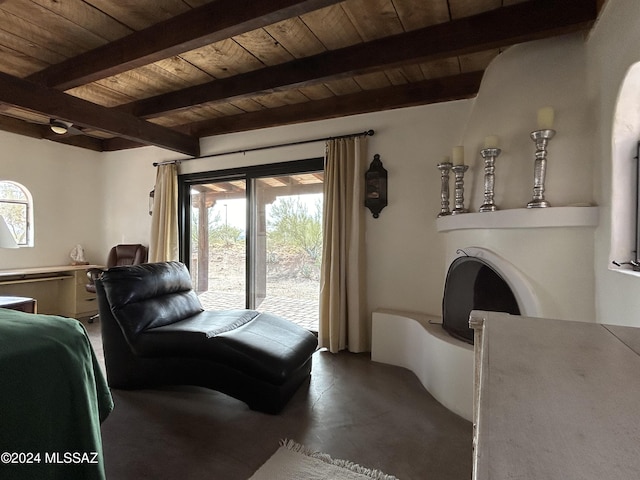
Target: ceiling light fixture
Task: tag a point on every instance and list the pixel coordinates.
(59, 127)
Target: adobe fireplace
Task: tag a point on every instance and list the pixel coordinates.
(481, 279)
(473, 284)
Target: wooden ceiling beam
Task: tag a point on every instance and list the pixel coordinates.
(59, 105)
(493, 29)
(21, 127)
(90, 143)
(196, 28)
(117, 143)
(429, 91)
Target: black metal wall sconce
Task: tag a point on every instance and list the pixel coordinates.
(375, 179)
(152, 195)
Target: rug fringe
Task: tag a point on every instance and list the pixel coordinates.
(354, 467)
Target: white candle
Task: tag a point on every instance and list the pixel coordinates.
(491, 141)
(545, 118)
(458, 155)
(446, 160)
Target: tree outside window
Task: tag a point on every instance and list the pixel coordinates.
(15, 207)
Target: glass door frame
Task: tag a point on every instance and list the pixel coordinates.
(249, 174)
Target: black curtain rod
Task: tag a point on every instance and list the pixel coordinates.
(368, 133)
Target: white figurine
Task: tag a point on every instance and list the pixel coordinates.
(77, 256)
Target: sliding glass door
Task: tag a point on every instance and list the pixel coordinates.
(288, 247)
(218, 243)
(253, 238)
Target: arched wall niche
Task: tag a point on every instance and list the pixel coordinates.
(624, 141)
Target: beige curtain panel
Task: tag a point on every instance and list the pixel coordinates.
(344, 322)
(163, 245)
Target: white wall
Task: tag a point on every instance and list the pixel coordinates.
(517, 83)
(67, 188)
(612, 50)
(405, 254)
(129, 176)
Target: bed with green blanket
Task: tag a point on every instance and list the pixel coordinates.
(53, 398)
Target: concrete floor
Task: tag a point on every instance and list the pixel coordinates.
(376, 415)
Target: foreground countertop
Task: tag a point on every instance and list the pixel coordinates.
(556, 399)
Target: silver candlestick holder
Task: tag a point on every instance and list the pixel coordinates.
(489, 155)
(445, 168)
(459, 170)
(541, 137)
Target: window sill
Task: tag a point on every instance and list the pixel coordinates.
(625, 271)
(521, 218)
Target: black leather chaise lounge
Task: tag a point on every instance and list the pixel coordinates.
(155, 332)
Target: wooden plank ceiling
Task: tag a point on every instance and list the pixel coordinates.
(168, 72)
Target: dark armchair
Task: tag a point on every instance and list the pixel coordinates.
(124, 254)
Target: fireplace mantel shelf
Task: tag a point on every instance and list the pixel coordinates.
(521, 218)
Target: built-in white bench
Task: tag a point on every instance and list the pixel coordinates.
(415, 341)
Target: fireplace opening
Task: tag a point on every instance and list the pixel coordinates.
(472, 284)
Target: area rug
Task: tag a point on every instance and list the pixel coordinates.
(293, 461)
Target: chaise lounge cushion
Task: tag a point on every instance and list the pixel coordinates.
(263, 345)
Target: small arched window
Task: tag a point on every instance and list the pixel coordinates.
(16, 206)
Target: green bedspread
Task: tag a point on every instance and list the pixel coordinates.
(53, 397)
